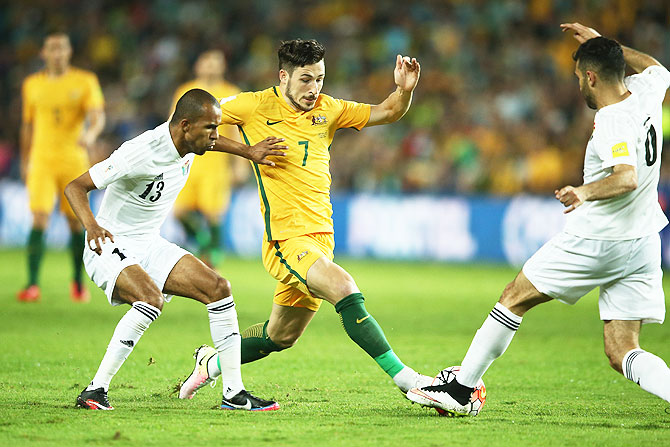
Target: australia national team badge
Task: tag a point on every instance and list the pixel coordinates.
(319, 120)
(302, 255)
(186, 168)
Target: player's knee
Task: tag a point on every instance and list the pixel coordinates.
(510, 296)
(347, 288)
(284, 337)
(155, 298)
(615, 350)
(285, 340)
(614, 358)
(519, 296)
(222, 289)
(342, 288)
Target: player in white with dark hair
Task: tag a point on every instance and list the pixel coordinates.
(611, 238)
(133, 264)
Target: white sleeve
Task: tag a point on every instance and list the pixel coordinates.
(112, 168)
(615, 141)
(654, 80)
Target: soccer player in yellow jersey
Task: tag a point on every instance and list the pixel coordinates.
(295, 203)
(207, 192)
(57, 103)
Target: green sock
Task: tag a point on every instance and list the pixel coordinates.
(77, 241)
(215, 235)
(256, 343)
(211, 248)
(35, 252)
(363, 329)
(190, 223)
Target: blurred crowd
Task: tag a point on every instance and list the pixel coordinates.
(497, 110)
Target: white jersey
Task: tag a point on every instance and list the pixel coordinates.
(629, 132)
(144, 176)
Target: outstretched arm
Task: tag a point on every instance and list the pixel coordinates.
(406, 76)
(622, 180)
(636, 60)
(257, 153)
(76, 193)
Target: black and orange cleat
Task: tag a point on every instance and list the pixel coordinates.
(94, 400)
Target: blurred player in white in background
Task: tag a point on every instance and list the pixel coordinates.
(611, 237)
(207, 192)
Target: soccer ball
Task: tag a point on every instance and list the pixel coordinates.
(478, 398)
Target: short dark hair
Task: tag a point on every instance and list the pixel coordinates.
(191, 105)
(298, 53)
(602, 55)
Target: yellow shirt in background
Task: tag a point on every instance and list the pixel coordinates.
(57, 107)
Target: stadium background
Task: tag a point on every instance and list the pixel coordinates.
(497, 121)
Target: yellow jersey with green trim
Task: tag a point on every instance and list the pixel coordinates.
(294, 194)
(57, 107)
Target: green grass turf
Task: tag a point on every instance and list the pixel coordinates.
(552, 387)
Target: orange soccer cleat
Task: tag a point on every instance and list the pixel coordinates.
(30, 294)
(79, 293)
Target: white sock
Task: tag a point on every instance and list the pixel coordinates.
(213, 366)
(126, 335)
(648, 371)
(407, 378)
(227, 341)
(489, 343)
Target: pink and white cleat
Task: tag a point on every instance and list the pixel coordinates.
(200, 376)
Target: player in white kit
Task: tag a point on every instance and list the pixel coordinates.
(133, 264)
(611, 237)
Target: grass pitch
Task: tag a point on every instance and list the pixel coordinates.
(552, 387)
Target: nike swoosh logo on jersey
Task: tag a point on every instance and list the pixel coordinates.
(360, 320)
(272, 123)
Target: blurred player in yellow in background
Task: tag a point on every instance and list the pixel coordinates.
(62, 117)
(207, 192)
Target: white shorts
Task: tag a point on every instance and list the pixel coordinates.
(628, 273)
(154, 254)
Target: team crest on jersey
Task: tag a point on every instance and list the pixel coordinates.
(186, 168)
(302, 255)
(319, 120)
